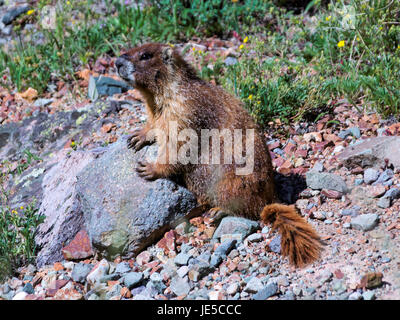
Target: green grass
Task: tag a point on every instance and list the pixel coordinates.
(294, 64)
(17, 225)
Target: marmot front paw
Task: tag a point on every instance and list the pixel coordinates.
(147, 171)
(137, 140)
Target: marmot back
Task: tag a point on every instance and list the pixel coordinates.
(179, 103)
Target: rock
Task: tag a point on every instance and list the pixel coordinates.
(369, 295)
(42, 102)
(235, 225)
(385, 176)
(132, 279)
(355, 296)
(68, 294)
(255, 237)
(331, 194)
(275, 244)
(376, 191)
(79, 248)
(232, 289)
(99, 271)
(60, 206)
(49, 280)
(216, 260)
(179, 286)
(122, 267)
(371, 280)
(28, 288)
(365, 222)
(372, 152)
(14, 13)
(182, 271)
(156, 283)
(182, 259)
(80, 272)
(225, 247)
(392, 193)
(20, 296)
(266, 292)
(354, 131)
(143, 258)
(232, 236)
(254, 285)
(102, 85)
(384, 203)
(123, 212)
(370, 175)
(199, 269)
(325, 180)
(339, 286)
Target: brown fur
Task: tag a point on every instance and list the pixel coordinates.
(173, 92)
(299, 240)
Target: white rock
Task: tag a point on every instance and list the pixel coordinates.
(232, 289)
(20, 296)
(98, 272)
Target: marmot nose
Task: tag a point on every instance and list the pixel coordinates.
(119, 62)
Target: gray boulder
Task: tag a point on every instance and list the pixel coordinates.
(60, 206)
(14, 13)
(124, 213)
(233, 225)
(325, 180)
(372, 152)
(365, 222)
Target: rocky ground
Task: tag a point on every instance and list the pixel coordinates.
(351, 199)
(110, 235)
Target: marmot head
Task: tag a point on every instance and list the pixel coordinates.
(152, 67)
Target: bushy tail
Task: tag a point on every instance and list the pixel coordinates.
(299, 241)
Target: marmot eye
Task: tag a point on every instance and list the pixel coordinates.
(146, 56)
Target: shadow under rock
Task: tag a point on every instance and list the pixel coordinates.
(288, 187)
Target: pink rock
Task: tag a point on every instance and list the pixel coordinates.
(376, 191)
(331, 194)
(143, 258)
(68, 294)
(79, 248)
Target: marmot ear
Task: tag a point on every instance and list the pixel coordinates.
(167, 54)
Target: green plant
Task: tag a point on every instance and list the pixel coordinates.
(17, 245)
(17, 225)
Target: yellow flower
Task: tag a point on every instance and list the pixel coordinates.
(340, 44)
(251, 97)
(245, 40)
(68, 3)
(30, 12)
(380, 28)
(14, 212)
(73, 144)
(358, 38)
(328, 18)
(22, 208)
(241, 47)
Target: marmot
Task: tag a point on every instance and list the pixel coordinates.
(173, 93)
